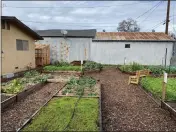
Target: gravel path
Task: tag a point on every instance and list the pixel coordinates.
(13, 117)
(127, 108)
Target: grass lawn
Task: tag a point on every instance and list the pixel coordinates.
(56, 115)
(154, 85)
(62, 68)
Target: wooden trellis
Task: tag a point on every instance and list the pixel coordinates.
(42, 54)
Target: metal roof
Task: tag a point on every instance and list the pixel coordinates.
(22, 26)
(132, 36)
(90, 33)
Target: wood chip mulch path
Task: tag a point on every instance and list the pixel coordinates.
(14, 116)
(127, 108)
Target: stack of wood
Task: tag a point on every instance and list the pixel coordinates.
(42, 54)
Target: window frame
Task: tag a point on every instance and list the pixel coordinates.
(127, 46)
(22, 45)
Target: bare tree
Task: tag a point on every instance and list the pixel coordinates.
(172, 35)
(128, 25)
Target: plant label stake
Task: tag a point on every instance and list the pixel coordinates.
(164, 87)
(81, 64)
(124, 63)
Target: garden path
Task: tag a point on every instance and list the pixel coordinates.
(127, 108)
(15, 115)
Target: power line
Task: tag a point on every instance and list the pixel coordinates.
(71, 23)
(152, 11)
(148, 10)
(159, 24)
(5, 6)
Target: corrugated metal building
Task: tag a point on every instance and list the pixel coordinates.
(148, 48)
(73, 46)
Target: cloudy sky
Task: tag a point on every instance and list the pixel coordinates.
(90, 14)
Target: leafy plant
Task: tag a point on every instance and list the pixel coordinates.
(90, 65)
(31, 73)
(79, 85)
(14, 87)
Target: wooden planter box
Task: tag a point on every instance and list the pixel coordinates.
(20, 96)
(167, 107)
(8, 102)
(54, 96)
(26, 92)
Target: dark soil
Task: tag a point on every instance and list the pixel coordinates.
(14, 116)
(127, 108)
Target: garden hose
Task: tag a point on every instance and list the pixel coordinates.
(76, 104)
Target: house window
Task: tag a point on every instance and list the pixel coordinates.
(127, 45)
(3, 24)
(8, 26)
(22, 44)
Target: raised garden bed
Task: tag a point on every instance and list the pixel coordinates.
(171, 107)
(13, 98)
(154, 86)
(154, 70)
(85, 86)
(20, 74)
(56, 115)
(19, 88)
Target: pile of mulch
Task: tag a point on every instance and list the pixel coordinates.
(127, 108)
(15, 115)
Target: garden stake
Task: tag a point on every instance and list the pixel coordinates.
(164, 87)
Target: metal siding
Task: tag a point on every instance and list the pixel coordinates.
(76, 51)
(147, 53)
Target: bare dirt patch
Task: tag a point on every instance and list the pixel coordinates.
(127, 108)
(14, 116)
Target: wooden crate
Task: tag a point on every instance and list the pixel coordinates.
(42, 54)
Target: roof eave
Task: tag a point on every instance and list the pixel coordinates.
(14, 19)
(134, 40)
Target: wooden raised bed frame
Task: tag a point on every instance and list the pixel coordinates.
(22, 95)
(54, 96)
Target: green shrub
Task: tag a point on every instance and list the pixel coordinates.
(90, 65)
(132, 67)
(62, 68)
(61, 63)
(161, 69)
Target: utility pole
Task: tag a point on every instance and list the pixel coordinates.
(167, 17)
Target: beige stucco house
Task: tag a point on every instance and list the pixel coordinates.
(18, 45)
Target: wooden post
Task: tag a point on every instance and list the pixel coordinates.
(167, 17)
(164, 87)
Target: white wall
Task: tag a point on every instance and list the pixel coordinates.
(77, 47)
(146, 53)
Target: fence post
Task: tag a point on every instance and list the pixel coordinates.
(164, 87)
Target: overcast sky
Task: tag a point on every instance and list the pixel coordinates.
(98, 14)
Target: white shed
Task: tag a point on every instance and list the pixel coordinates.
(147, 48)
(73, 46)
